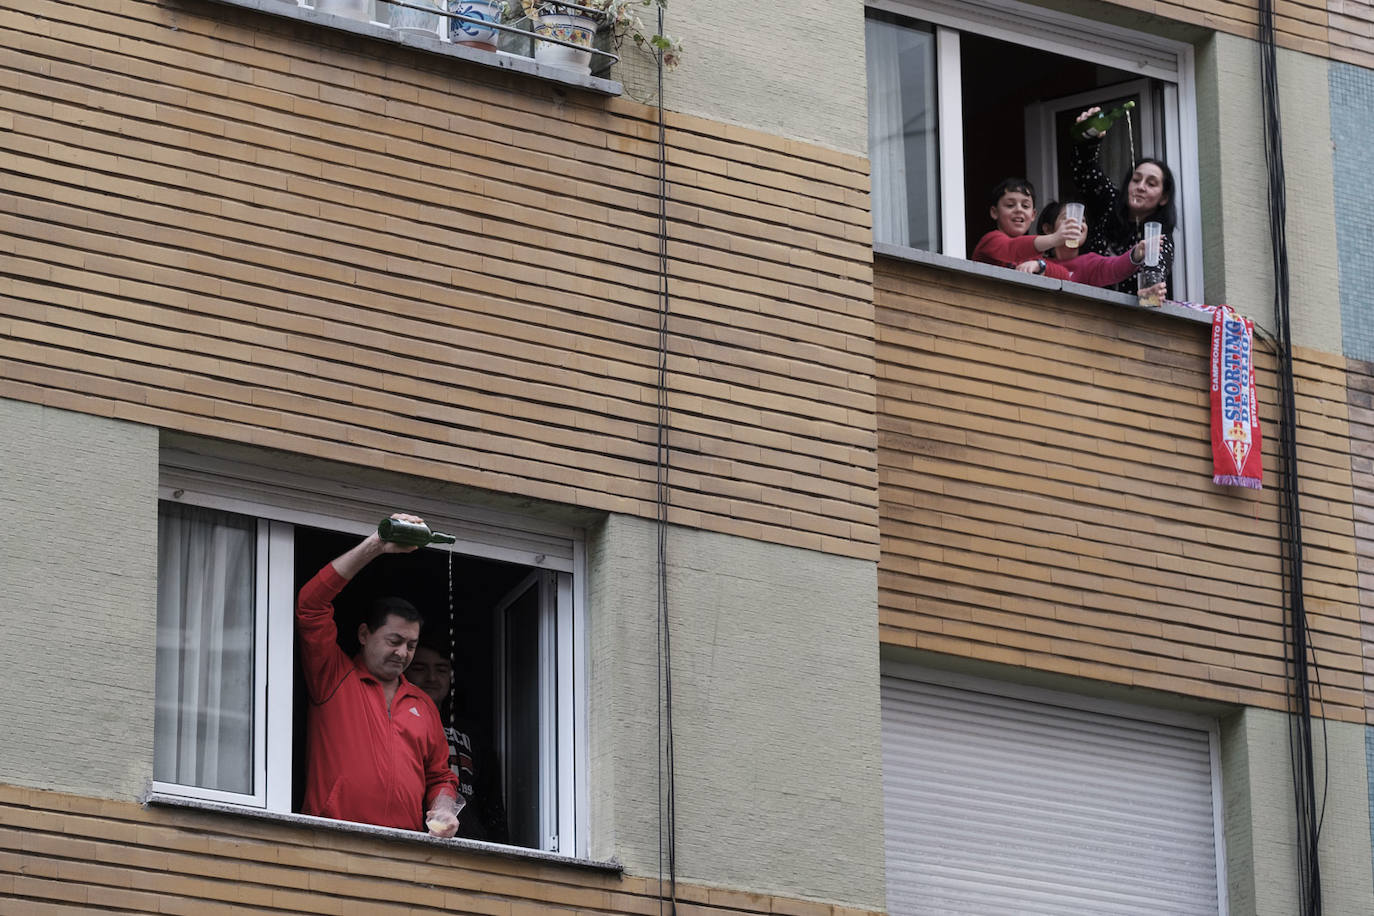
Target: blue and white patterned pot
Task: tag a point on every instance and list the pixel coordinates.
(474, 34)
(578, 29)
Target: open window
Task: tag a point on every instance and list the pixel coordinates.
(964, 94)
(230, 717)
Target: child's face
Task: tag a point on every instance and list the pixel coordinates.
(1014, 213)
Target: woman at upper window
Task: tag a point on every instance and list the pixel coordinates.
(1121, 212)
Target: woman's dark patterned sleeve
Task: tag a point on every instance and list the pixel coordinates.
(1096, 188)
(1166, 259)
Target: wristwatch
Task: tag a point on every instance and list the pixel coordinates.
(1041, 262)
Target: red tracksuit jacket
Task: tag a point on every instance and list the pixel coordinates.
(364, 764)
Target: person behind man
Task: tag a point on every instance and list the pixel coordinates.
(376, 752)
(469, 756)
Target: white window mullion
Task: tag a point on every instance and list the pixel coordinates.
(949, 88)
(277, 659)
(550, 754)
(580, 669)
(560, 586)
(1180, 108)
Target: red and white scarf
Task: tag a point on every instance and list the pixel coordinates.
(1236, 444)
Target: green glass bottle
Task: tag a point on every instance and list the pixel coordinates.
(1100, 121)
(410, 534)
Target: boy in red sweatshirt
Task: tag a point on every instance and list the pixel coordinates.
(1013, 210)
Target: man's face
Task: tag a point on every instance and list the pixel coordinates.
(388, 649)
(431, 672)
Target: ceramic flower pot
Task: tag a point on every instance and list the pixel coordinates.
(419, 22)
(475, 34)
(565, 24)
(352, 9)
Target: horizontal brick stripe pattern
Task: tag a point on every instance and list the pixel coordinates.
(1361, 399)
(1047, 497)
(1352, 31)
(1339, 29)
(1301, 26)
(66, 854)
(243, 227)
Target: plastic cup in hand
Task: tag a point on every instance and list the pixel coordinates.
(1074, 213)
(1152, 231)
(1146, 281)
(438, 820)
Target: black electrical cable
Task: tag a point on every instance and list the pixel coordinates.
(1301, 661)
(667, 795)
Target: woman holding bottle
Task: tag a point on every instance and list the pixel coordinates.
(1121, 212)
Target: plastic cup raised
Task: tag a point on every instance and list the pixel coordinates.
(1073, 212)
(1152, 234)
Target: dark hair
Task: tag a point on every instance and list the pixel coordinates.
(434, 639)
(391, 606)
(1166, 214)
(1049, 214)
(1012, 184)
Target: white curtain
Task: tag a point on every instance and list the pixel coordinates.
(903, 134)
(886, 136)
(203, 729)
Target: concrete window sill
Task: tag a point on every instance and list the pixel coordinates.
(391, 834)
(1077, 290)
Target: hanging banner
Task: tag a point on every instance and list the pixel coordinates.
(1235, 415)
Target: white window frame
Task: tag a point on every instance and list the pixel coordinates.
(281, 500)
(905, 670)
(1144, 55)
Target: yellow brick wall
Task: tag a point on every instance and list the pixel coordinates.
(1360, 386)
(67, 854)
(1302, 26)
(1351, 31)
(237, 226)
(1047, 498)
(1339, 29)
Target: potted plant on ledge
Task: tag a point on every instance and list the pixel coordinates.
(578, 22)
(475, 29)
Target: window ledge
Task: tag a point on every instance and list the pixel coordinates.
(495, 59)
(391, 834)
(1006, 275)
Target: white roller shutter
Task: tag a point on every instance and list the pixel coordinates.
(998, 805)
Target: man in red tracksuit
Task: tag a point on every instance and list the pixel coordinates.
(377, 753)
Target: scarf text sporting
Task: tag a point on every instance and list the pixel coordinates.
(1236, 444)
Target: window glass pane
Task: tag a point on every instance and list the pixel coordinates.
(1121, 148)
(903, 134)
(523, 679)
(203, 727)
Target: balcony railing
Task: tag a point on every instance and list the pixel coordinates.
(515, 49)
